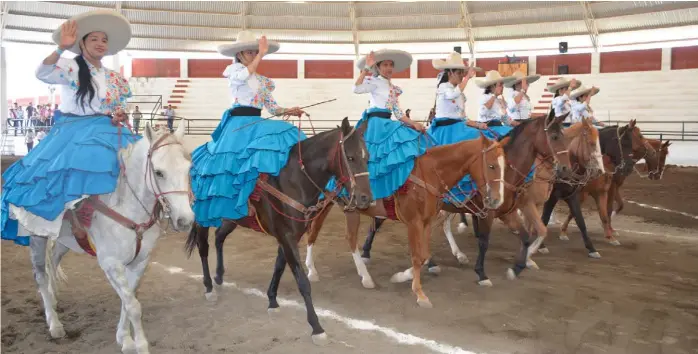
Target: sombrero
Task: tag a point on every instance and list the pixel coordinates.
(492, 77)
(400, 58)
(560, 84)
(454, 61)
(245, 40)
(583, 90)
(113, 24)
(518, 77)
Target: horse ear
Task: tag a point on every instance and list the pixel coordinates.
(667, 143)
(362, 129)
(346, 127)
(560, 119)
(149, 133)
(179, 133)
(631, 124)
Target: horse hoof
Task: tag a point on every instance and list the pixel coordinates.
(595, 255)
(368, 283)
(273, 310)
(313, 277)
(544, 250)
(530, 264)
(510, 274)
(434, 270)
(320, 339)
(485, 282)
(462, 258)
(400, 277)
(212, 296)
(424, 303)
(143, 347)
(564, 237)
(613, 214)
(614, 242)
(57, 332)
(366, 260)
(461, 228)
(128, 346)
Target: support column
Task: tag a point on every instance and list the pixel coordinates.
(595, 63)
(532, 65)
(666, 59)
(3, 90)
(301, 68)
(183, 68)
(414, 72)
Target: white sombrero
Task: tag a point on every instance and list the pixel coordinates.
(245, 40)
(492, 77)
(560, 84)
(583, 90)
(113, 24)
(454, 61)
(518, 77)
(400, 58)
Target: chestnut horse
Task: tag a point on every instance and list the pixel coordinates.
(420, 199)
(284, 209)
(616, 146)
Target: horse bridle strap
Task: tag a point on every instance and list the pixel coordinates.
(418, 181)
(263, 185)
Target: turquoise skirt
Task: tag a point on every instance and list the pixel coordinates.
(79, 156)
(225, 170)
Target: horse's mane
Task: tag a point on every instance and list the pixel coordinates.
(514, 133)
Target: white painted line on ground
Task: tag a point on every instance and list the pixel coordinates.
(663, 209)
(674, 237)
(352, 323)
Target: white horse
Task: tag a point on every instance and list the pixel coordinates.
(154, 170)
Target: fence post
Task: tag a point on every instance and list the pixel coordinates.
(683, 130)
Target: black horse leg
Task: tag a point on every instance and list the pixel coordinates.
(279, 267)
(290, 249)
(463, 219)
(481, 228)
(377, 222)
(576, 210)
(221, 234)
(547, 212)
(202, 241)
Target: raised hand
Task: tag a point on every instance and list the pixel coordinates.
(370, 59)
(263, 45)
(69, 31)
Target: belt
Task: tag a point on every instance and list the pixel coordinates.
(447, 122)
(244, 111)
(384, 115)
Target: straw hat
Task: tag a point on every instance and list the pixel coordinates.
(245, 40)
(400, 58)
(492, 77)
(454, 61)
(583, 90)
(518, 77)
(560, 84)
(113, 24)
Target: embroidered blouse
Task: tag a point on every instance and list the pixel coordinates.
(521, 110)
(383, 94)
(580, 110)
(450, 101)
(496, 112)
(561, 105)
(252, 90)
(111, 89)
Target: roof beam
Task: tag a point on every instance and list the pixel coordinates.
(4, 15)
(590, 22)
(467, 26)
(354, 28)
(243, 16)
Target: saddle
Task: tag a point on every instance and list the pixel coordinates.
(80, 220)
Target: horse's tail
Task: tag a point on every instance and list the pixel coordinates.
(56, 276)
(192, 239)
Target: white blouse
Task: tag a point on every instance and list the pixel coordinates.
(383, 94)
(450, 101)
(497, 112)
(252, 90)
(579, 110)
(111, 89)
(521, 110)
(561, 105)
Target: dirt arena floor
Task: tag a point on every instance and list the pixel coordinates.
(640, 298)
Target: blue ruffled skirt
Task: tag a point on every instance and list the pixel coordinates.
(392, 148)
(79, 156)
(224, 171)
(455, 133)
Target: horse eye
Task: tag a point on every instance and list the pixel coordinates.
(159, 174)
(350, 158)
(491, 167)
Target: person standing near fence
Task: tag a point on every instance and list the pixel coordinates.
(137, 115)
(169, 113)
(29, 139)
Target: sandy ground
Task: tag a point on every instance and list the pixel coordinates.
(639, 298)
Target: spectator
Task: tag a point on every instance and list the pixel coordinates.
(40, 135)
(169, 113)
(136, 115)
(29, 139)
(12, 118)
(20, 119)
(30, 111)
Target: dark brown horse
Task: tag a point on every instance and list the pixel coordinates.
(420, 199)
(285, 205)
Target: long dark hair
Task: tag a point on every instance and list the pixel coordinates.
(85, 85)
(445, 76)
(489, 89)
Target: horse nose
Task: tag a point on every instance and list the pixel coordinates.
(183, 223)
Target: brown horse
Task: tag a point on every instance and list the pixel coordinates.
(654, 174)
(582, 140)
(603, 188)
(420, 199)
